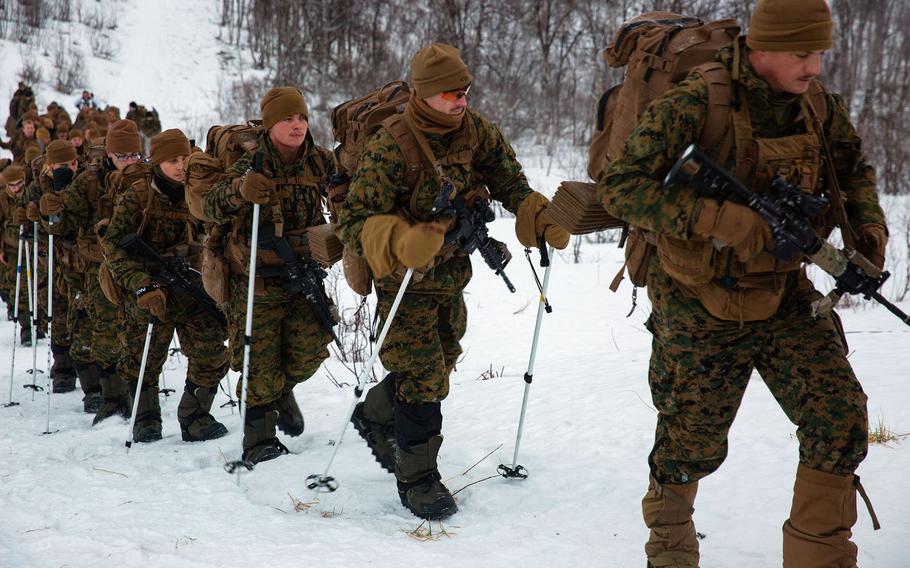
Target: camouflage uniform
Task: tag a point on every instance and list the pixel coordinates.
(288, 344)
(401, 417)
(63, 370)
(163, 222)
(700, 365)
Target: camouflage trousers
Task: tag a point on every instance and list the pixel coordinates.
(288, 344)
(78, 321)
(423, 343)
(60, 330)
(700, 367)
(103, 321)
(200, 334)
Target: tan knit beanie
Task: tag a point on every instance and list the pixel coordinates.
(123, 138)
(60, 152)
(168, 145)
(791, 25)
(12, 174)
(43, 134)
(281, 102)
(438, 68)
(31, 153)
(75, 133)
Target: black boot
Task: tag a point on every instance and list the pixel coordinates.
(89, 378)
(148, 416)
(259, 440)
(374, 420)
(290, 419)
(116, 399)
(420, 487)
(193, 413)
(63, 372)
(25, 336)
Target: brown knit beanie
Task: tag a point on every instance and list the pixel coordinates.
(281, 102)
(123, 138)
(60, 152)
(791, 25)
(438, 68)
(168, 145)
(31, 153)
(12, 174)
(76, 133)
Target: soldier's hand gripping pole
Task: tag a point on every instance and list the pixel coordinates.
(145, 357)
(516, 471)
(324, 482)
(239, 464)
(788, 214)
(12, 364)
(49, 388)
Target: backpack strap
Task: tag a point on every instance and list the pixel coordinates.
(716, 136)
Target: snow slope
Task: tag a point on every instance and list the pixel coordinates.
(76, 498)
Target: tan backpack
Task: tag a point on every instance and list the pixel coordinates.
(353, 123)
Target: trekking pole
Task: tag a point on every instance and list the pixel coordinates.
(516, 471)
(145, 356)
(325, 482)
(236, 465)
(163, 382)
(49, 387)
(230, 402)
(35, 281)
(12, 365)
(30, 277)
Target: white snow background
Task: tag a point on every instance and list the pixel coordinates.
(76, 498)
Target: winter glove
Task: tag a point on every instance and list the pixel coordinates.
(872, 241)
(256, 188)
(51, 203)
(151, 298)
(734, 225)
(19, 216)
(390, 241)
(32, 212)
(533, 221)
(62, 178)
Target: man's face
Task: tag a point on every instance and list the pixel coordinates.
(28, 128)
(121, 161)
(15, 189)
(77, 142)
(450, 102)
(787, 71)
(85, 95)
(174, 168)
(74, 165)
(291, 131)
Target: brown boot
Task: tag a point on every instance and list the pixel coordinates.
(115, 398)
(148, 416)
(667, 510)
(193, 414)
(817, 534)
(420, 486)
(374, 420)
(260, 442)
(290, 419)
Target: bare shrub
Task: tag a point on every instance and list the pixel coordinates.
(69, 71)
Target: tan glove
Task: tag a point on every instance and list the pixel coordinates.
(256, 188)
(872, 241)
(19, 216)
(390, 241)
(734, 225)
(51, 204)
(151, 298)
(32, 212)
(533, 220)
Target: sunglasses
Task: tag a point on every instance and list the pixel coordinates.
(132, 156)
(452, 96)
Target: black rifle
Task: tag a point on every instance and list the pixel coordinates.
(788, 213)
(470, 232)
(301, 277)
(174, 273)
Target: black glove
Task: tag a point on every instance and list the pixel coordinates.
(62, 178)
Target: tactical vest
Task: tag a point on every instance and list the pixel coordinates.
(752, 290)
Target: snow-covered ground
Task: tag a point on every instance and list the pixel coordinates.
(76, 498)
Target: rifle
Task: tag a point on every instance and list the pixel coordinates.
(176, 273)
(301, 277)
(788, 216)
(470, 232)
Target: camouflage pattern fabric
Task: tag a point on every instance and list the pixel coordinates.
(201, 336)
(700, 365)
(422, 345)
(423, 342)
(287, 344)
